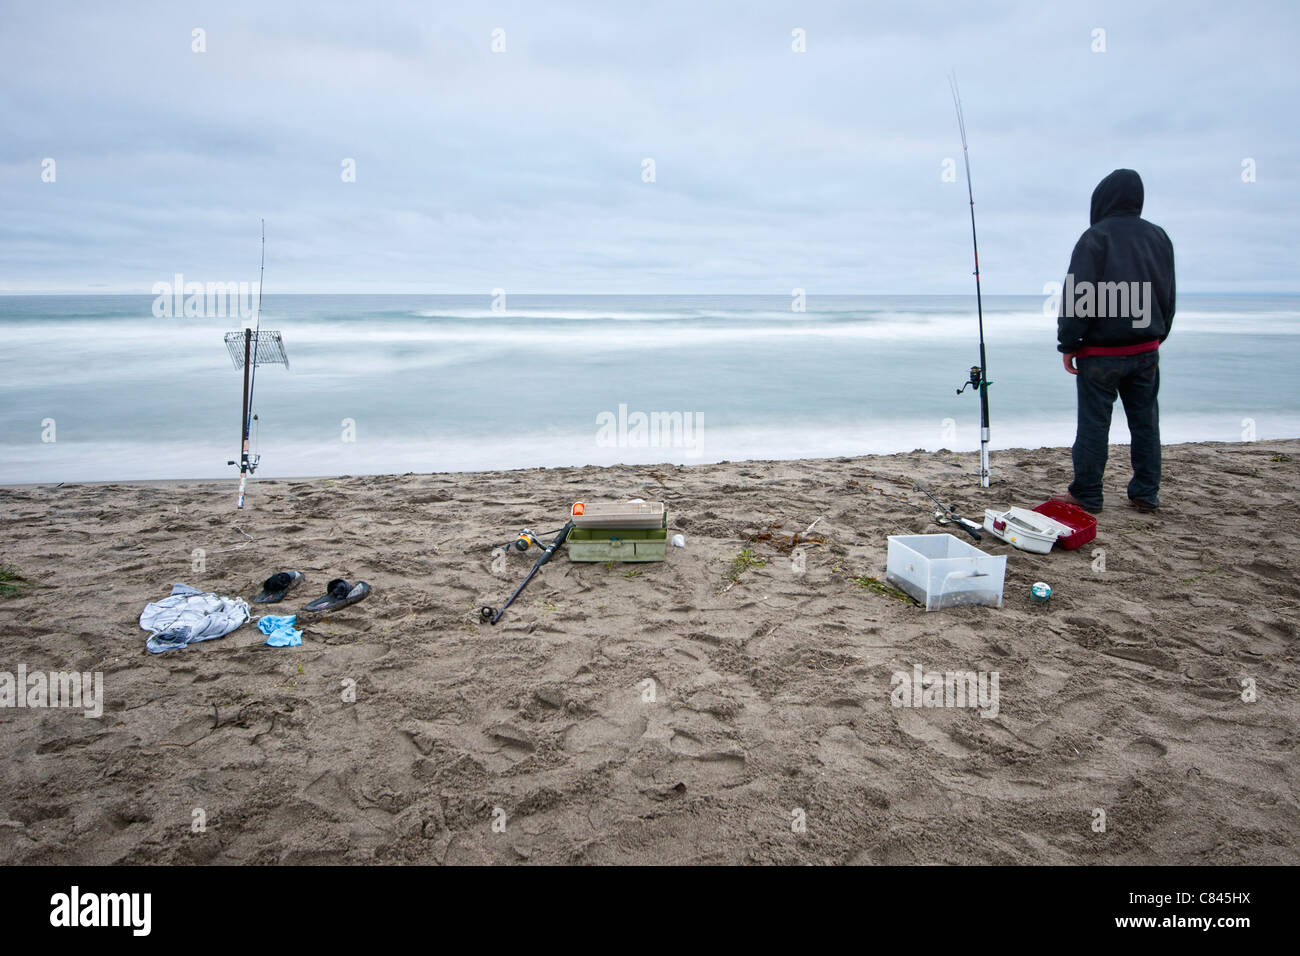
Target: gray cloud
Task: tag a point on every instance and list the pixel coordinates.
(522, 170)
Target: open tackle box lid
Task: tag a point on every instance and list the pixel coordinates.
(618, 514)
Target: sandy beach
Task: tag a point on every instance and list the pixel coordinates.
(770, 736)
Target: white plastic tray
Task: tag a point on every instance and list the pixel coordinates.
(1025, 529)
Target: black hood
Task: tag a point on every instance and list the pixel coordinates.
(1119, 194)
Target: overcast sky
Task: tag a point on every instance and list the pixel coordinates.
(523, 169)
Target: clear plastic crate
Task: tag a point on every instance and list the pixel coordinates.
(940, 571)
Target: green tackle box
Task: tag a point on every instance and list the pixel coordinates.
(619, 544)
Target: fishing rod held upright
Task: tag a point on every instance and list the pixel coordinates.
(978, 373)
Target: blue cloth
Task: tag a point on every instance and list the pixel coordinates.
(281, 630)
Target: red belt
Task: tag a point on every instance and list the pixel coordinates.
(1138, 349)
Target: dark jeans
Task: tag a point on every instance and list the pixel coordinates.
(1136, 380)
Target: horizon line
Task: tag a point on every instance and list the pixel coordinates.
(490, 293)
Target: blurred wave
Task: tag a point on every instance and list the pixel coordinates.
(447, 383)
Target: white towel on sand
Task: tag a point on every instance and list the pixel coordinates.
(188, 616)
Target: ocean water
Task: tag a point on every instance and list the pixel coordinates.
(98, 388)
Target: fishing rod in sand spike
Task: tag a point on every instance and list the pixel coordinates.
(491, 614)
(247, 461)
(248, 349)
(978, 373)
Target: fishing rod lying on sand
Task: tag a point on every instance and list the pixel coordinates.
(949, 513)
(491, 614)
(978, 373)
(944, 514)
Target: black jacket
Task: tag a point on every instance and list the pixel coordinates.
(1120, 247)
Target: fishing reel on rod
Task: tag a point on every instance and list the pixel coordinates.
(523, 541)
(253, 460)
(975, 381)
(526, 539)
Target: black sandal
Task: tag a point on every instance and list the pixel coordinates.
(339, 593)
(278, 585)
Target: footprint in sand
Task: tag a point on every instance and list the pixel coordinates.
(597, 733)
(685, 743)
(1150, 656)
(511, 737)
(700, 764)
(840, 748)
(919, 728)
(1147, 749)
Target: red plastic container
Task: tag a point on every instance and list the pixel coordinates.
(1084, 524)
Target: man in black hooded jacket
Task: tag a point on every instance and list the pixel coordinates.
(1117, 307)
